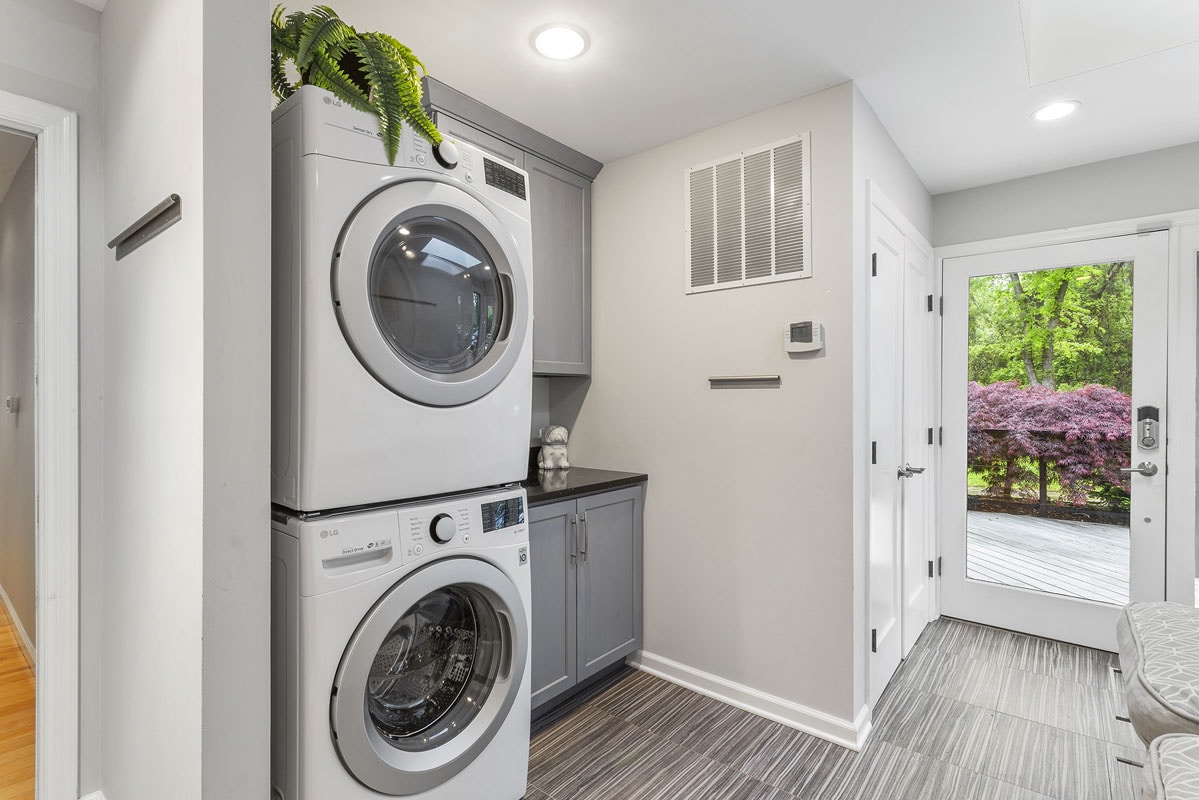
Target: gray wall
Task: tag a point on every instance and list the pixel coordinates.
(748, 518)
(1142, 185)
(50, 51)
(185, 660)
(17, 565)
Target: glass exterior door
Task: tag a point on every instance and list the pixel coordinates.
(1054, 394)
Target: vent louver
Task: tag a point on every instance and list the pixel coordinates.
(748, 218)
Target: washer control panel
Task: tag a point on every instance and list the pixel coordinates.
(481, 520)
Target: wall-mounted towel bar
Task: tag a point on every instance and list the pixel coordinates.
(152, 223)
(744, 380)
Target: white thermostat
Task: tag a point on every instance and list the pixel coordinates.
(803, 337)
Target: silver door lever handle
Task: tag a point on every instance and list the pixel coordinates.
(908, 471)
(1146, 468)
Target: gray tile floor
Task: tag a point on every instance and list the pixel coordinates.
(974, 713)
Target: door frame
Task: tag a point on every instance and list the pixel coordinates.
(1182, 322)
(56, 436)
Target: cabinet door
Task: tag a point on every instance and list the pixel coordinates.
(551, 560)
(609, 578)
(456, 129)
(561, 217)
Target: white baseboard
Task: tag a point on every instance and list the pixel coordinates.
(97, 795)
(847, 733)
(22, 637)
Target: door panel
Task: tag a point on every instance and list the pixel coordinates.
(886, 356)
(609, 578)
(1048, 354)
(552, 561)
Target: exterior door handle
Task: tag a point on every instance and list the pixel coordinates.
(1146, 468)
(908, 471)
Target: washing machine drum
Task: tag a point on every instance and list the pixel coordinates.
(429, 677)
(431, 293)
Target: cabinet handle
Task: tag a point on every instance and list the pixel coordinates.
(583, 549)
(574, 538)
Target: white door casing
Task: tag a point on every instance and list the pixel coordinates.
(56, 421)
(1083, 622)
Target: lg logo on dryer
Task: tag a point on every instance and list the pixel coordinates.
(326, 534)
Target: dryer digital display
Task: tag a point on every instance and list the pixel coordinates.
(502, 514)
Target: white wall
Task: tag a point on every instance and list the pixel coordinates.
(50, 51)
(1141, 185)
(748, 544)
(17, 525)
(877, 162)
(185, 665)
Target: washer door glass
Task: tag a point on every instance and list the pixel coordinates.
(431, 676)
(435, 670)
(431, 293)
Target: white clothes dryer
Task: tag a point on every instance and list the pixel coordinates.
(402, 314)
(400, 652)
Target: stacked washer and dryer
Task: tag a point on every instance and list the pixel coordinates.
(402, 383)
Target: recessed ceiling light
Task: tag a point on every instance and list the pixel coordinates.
(1056, 110)
(560, 42)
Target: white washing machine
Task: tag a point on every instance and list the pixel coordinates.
(402, 303)
(400, 652)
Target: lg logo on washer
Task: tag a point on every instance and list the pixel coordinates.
(327, 534)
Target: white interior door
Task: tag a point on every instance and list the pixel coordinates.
(1056, 537)
(901, 403)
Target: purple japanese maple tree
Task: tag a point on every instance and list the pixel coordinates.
(1083, 436)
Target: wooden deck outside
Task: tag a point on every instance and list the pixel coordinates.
(1078, 559)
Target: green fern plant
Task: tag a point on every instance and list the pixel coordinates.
(370, 71)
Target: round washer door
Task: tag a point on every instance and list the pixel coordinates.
(429, 676)
(431, 293)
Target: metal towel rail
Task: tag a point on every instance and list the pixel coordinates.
(744, 380)
(149, 225)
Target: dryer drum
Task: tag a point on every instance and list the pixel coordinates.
(435, 669)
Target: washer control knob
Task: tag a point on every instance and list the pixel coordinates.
(442, 528)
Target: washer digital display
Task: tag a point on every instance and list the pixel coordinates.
(502, 514)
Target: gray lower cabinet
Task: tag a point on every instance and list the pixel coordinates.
(585, 557)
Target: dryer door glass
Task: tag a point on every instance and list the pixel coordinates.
(435, 669)
(435, 294)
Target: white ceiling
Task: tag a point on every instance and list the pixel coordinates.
(948, 78)
(13, 149)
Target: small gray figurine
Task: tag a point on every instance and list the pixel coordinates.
(553, 448)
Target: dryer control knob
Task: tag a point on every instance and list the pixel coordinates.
(442, 528)
(446, 154)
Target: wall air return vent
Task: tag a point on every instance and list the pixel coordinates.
(748, 218)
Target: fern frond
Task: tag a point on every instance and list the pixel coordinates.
(281, 87)
(325, 72)
(385, 99)
(408, 85)
(323, 32)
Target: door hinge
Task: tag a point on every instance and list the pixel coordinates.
(942, 311)
(940, 435)
(938, 566)
(874, 452)
(930, 302)
(873, 264)
(930, 435)
(874, 640)
(930, 568)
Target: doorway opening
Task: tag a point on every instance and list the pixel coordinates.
(18, 567)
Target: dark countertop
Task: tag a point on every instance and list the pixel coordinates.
(560, 484)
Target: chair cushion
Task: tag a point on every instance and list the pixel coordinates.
(1159, 655)
(1172, 768)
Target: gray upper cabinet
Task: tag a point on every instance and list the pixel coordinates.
(560, 194)
(561, 215)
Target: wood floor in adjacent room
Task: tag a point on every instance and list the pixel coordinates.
(16, 717)
(974, 713)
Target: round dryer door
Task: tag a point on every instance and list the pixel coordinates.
(429, 676)
(430, 293)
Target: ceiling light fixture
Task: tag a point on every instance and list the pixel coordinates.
(1056, 110)
(560, 42)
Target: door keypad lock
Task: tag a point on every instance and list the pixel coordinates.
(1147, 427)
